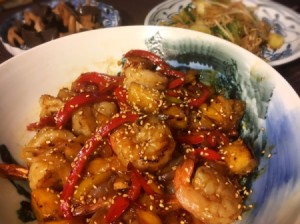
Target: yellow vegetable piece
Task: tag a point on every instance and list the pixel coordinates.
(238, 158)
(101, 165)
(98, 166)
(45, 204)
(156, 188)
(275, 41)
(177, 118)
(76, 220)
(87, 184)
(147, 217)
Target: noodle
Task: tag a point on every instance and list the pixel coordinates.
(230, 20)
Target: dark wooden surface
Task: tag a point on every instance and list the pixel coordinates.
(133, 12)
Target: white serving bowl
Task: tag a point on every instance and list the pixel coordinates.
(271, 123)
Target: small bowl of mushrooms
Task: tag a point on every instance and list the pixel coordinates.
(44, 22)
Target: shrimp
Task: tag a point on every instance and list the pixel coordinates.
(211, 197)
(148, 145)
(48, 170)
(50, 105)
(43, 141)
(145, 77)
(143, 98)
(86, 118)
(83, 121)
(144, 88)
(224, 113)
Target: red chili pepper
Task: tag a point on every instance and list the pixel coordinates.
(121, 95)
(211, 140)
(146, 187)
(224, 140)
(74, 103)
(141, 180)
(135, 190)
(48, 121)
(171, 72)
(103, 81)
(173, 93)
(208, 153)
(137, 183)
(156, 60)
(199, 101)
(176, 83)
(117, 209)
(190, 139)
(79, 162)
(216, 138)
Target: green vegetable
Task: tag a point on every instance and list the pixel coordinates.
(215, 30)
(236, 29)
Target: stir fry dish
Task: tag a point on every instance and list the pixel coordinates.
(149, 145)
(230, 20)
(43, 23)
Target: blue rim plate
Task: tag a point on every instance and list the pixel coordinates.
(282, 19)
(110, 17)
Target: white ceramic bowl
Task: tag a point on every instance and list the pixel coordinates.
(271, 123)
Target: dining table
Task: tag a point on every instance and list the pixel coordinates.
(134, 12)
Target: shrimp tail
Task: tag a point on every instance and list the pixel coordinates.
(13, 171)
(184, 173)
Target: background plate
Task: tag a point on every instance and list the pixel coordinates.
(283, 20)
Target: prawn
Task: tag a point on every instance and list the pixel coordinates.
(144, 88)
(148, 145)
(43, 141)
(210, 196)
(145, 77)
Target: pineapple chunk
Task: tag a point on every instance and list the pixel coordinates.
(275, 41)
(147, 217)
(45, 204)
(225, 113)
(238, 158)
